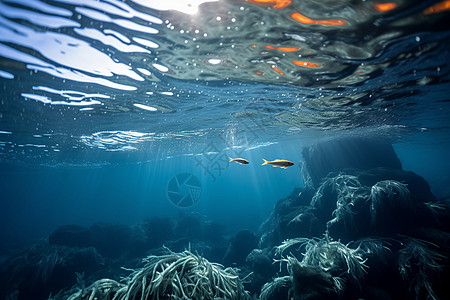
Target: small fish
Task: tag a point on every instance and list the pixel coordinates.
(239, 161)
(282, 163)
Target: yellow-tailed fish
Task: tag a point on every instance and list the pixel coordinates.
(239, 161)
(282, 163)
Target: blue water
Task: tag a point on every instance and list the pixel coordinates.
(241, 196)
(103, 103)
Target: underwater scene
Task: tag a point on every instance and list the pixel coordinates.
(224, 149)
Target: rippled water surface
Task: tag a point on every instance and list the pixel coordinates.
(84, 80)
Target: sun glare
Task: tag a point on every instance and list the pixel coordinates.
(188, 7)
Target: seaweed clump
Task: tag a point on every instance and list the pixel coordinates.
(172, 276)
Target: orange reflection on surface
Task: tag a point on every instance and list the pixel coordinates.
(277, 4)
(438, 7)
(384, 7)
(284, 49)
(303, 19)
(259, 73)
(304, 63)
(278, 70)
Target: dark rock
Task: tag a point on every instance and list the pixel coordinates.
(254, 282)
(71, 236)
(188, 226)
(291, 217)
(352, 220)
(195, 226)
(311, 283)
(259, 262)
(45, 269)
(111, 240)
(417, 185)
(139, 244)
(304, 223)
(213, 232)
(261, 269)
(325, 201)
(240, 246)
(346, 153)
(158, 231)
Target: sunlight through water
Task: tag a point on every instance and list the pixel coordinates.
(243, 73)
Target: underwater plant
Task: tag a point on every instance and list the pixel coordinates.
(47, 263)
(100, 289)
(330, 256)
(418, 266)
(389, 200)
(172, 276)
(276, 288)
(338, 192)
(342, 205)
(438, 210)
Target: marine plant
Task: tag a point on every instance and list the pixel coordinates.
(437, 209)
(418, 266)
(338, 192)
(172, 276)
(104, 289)
(389, 199)
(330, 256)
(50, 258)
(275, 288)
